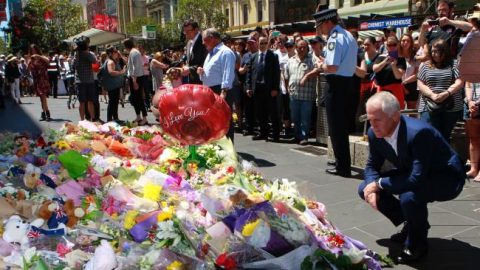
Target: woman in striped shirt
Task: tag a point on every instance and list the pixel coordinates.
(438, 80)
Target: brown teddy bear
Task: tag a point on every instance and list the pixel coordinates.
(56, 214)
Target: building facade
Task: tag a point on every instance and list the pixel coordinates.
(161, 11)
(245, 15)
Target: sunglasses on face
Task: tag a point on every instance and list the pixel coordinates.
(263, 43)
(392, 45)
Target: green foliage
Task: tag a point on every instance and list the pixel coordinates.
(135, 26)
(208, 13)
(32, 27)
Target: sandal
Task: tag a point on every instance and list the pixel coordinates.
(142, 122)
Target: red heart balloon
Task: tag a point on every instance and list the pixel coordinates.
(193, 114)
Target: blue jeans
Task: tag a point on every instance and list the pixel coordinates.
(301, 112)
(442, 121)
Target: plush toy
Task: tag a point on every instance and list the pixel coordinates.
(53, 213)
(19, 203)
(103, 258)
(32, 176)
(59, 214)
(16, 230)
(74, 214)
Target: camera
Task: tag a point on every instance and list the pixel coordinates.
(82, 43)
(433, 22)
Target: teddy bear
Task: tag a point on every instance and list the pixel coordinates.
(16, 230)
(19, 203)
(32, 176)
(59, 214)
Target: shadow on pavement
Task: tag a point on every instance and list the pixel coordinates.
(59, 120)
(258, 162)
(15, 119)
(442, 254)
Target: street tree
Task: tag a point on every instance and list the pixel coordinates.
(46, 23)
(208, 13)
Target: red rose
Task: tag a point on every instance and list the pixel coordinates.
(226, 262)
(194, 114)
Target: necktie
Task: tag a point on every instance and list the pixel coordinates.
(261, 68)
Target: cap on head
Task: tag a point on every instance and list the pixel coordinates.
(316, 39)
(324, 15)
(289, 43)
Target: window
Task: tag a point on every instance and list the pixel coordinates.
(259, 11)
(340, 4)
(357, 2)
(227, 14)
(245, 14)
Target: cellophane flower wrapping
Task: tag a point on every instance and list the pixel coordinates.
(161, 205)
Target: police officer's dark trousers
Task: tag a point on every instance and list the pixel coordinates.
(337, 107)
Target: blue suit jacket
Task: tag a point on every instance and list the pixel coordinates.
(424, 159)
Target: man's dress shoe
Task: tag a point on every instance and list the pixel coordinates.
(411, 255)
(334, 171)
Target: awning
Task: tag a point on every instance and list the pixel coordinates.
(99, 37)
(370, 33)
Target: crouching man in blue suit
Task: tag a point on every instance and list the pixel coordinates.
(422, 168)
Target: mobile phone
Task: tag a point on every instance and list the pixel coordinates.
(433, 22)
(393, 54)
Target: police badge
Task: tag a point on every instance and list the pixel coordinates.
(331, 46)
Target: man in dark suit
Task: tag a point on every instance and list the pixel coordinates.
(422, 168)
(196, 51)
(263, 84)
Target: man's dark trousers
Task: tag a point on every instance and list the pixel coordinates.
(266, 108)
(337, 107)
(411, 206)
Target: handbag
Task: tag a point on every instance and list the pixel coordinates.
(108, 81)
(447, 104)
(443, 106)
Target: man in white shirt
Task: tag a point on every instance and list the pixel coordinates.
(218, 71)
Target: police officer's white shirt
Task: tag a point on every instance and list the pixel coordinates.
(341, 51)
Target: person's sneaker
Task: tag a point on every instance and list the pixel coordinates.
(400, 236)
(43, 117)
(303, 142)
(48, 115)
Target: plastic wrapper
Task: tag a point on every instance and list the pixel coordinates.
(291, 260)
(74, 163)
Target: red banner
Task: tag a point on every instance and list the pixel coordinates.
(3, 11)
(105, 22)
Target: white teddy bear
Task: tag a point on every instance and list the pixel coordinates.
(16, 229)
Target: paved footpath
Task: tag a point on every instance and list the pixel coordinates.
(454, 235)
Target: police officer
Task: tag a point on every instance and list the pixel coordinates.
(339, 66)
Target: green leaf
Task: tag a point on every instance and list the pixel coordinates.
(127, 176)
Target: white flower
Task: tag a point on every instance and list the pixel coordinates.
(168, 154)
(355, 255)
(260, 236)
(29, 254)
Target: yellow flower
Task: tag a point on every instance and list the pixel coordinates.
(129, 221)
(167, 213)
(249, 228)
(62, 145)
(222, 180)
(175, 265)
(141, 169)
(152, 192)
